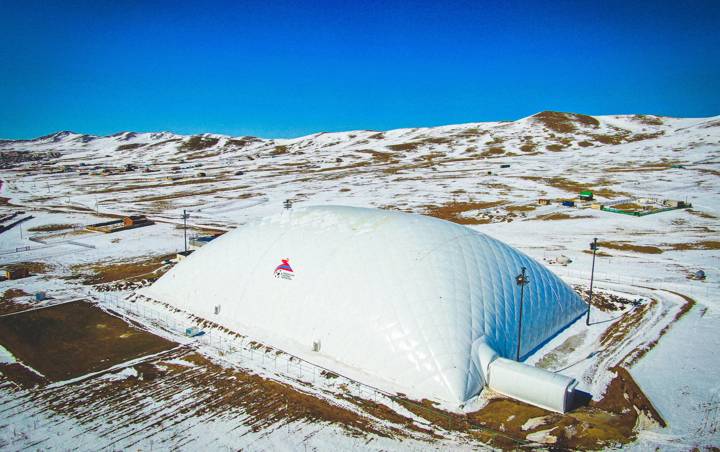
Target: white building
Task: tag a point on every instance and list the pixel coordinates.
(392, 299)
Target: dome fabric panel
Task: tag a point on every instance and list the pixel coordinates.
(398, 296)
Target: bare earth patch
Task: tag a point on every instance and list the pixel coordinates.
(73, 339)
(105, 272)
(51, 227)
(627, 246)
(453, 211)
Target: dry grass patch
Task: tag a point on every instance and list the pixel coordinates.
(11, 294)
(202, 155)
(197, 143)
(197, 193)
(521, 208)
(379, 156)
(130, 146)
(609, 139)
(410, 146)
(648, 120)
(453, 211)
(279, 150)
(189, 181)
(242, 142)
(700, 214)
(9, 302)
(565, 122)
(628, 246)
(35, 268)
(51, 227)
(561, 216)
(575, 187)
(73, 339)
(100, 273)
(700, 245)
(493, 151)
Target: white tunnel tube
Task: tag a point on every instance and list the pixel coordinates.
(532, 385)
(520, 381)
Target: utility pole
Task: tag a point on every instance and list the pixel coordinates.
(521, 281)
(593, 247)
(287, 204)
(185, 217)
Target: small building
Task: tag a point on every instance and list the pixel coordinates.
(505, 165)
(40, 296)
(699, 275)
(183, 255)
(568, 203)
(135, 220)
(674, 203)
(544, 202)
(201, 174)
(16, 273)
(586, 195)
(596, 205)
(193, 331)
(199, 241)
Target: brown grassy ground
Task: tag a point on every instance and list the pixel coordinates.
(575, 187)
(166, 394)
(186, 194)
(521, 208)
(35, 268)
(701, 214)
(9, 302)
(699, 245)
(565, 122)
(10, 294)
(452, 211)
(123, 188)
(627, 246)
(626, 325)
(72, 339)
(561, 216)
(51, 227)
(196, 143)
(105, 272)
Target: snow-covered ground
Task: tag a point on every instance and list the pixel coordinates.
(457, 172)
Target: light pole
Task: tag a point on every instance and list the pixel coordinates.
(593, 247)
(185, 216)
(521, 280)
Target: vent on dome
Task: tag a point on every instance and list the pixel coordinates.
(217, 309)
(316, 345)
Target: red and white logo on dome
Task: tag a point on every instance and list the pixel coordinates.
(284, 270)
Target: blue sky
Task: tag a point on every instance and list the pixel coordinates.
(283, 68)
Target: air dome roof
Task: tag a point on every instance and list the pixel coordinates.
(396, 296)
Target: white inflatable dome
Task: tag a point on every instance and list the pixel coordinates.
(396, 297)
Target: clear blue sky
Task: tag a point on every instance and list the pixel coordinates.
(279, 69)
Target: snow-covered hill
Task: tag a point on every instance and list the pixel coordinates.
(225, 180)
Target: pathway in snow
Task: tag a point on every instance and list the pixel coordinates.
(680, 376)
